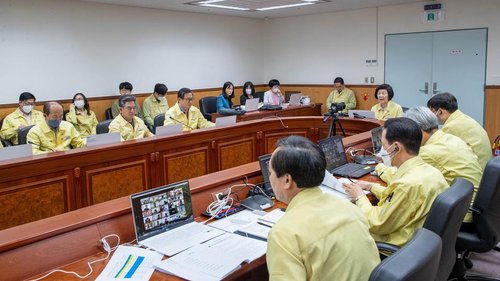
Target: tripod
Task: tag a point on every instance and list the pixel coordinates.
(333, 124)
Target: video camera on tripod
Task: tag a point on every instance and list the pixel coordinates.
(335, 108)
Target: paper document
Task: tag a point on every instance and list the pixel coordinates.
(272, 217)
(130, 263)
(235, 221)
(215, 259)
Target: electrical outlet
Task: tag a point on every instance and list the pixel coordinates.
(372, 79)
(220, 194)
(366, 80)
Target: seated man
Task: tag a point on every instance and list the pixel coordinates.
(320, 237)
(341, 94)
(126, 123)
(23, 116)
(455, 122)
(155, 104)
(125, 88)
(405, 203)
(183, 112)
(54, 134)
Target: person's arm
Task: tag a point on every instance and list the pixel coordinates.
(283, 263)
(36, 142)
(385, 173)
(77, 140)
(399, 111)
(71, 115)
(329, 101)
(115, 127)
(9, 129)
(267, 98)
(148, 118)
(351, 101)
(220, 103)
(243, 99)
(203, 123)
(93, 123)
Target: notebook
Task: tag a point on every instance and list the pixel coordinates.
(103, 139)
(164, 220)
(168, 130)
(295, 99)
(16, 151)
(251, 104)
(225, 121)
(336, 160)
(361, 114)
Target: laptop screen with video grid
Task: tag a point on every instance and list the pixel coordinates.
(158, 210)
(334, 152)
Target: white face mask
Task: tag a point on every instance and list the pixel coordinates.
(161, 99)
(27, 109)
(275, 90)
(79, 104)
(248, 91)
(386, 156)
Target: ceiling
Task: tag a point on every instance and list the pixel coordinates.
(325, 6)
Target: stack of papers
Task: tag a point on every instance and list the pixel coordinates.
(332, 185)
(271, 218)
(214, 259)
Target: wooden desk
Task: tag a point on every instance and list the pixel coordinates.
(42, 186)
(301, 110)
(69, 240)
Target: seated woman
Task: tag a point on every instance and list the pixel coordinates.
(273, 95)
(224, 99)
(248, 92)
(386, 108)
(80, 115)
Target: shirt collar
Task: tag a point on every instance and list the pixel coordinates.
(303, 195)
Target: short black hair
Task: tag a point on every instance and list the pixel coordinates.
(338, 80)
(122, 100)
(444, 101)
(273, 82)
(26, 96)
(182, 92)
(246, 85)
(125, 85)
(161, 89)
(47, 105)
(302, 159)
(405, 131)
(386, 87)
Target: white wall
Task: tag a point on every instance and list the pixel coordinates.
(55, 48)
(316, 48)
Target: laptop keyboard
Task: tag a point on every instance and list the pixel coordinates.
(352, 170)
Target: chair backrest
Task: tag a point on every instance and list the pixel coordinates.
(103, 126)
(445, 218)
(23, 133)
(259, 95)
(487, 205)
(64, 114)
(417, 260)
(109, 114)
(208, 105)
(159, 120)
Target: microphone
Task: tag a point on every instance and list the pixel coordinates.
(40, 147)
(358, 115)
(180, 122)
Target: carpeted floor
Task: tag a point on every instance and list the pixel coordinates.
(487, 264)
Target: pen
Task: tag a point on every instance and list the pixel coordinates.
(349, 178)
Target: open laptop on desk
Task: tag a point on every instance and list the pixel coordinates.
(361, 114)
(164, 221)
(103, 139)
(336, 160)
(225, 121)
(16, 151)
(168, 130)
(251, 105)
(295, 99)
(376, 144)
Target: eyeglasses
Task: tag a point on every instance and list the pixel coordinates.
(188, 99)
(130, 108)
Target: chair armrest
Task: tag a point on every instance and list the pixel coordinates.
(386, 249)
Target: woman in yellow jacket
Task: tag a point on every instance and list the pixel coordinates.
(81, 116)
(386, 108)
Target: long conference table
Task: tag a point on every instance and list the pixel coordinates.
(313, 109)
(90, 189)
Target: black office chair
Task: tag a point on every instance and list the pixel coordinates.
(445, 218)
(159, 120)
(103, 127)
(485, 219)
(64, 114)
(208, 105)
(22, 134)
(109, 114)
(418, 260)
(404, 109)
(259, 95)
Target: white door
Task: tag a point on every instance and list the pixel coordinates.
(420, 65)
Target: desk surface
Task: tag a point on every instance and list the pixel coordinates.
(313, 109)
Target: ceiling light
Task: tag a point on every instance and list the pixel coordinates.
(285, 6)
(223, 7)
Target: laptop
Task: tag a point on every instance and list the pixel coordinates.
(376, 144)
(336, 160)
(251, 104)
(16, 151)
(295, 99)
(361, 114)
(264, 168)
(103, 139)
(164, 220)
(168, 130)
(225, 121)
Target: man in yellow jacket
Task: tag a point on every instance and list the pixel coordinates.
(403, 206)
(320, 236)
(126, 123)
(341, 94)
(183, 112)
(54, 134)
(455, 122)
(23, 116)
(155, 104)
